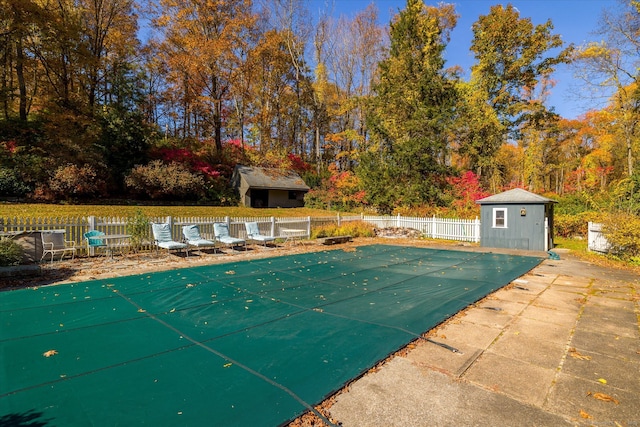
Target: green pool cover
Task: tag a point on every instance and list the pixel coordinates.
(252, 343)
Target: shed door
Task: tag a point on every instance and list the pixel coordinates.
(259, 198)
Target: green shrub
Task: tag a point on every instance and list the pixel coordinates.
(574, 225)
(10, 252)
(218, 192)
(11, 184)
(160, 181)
(138, 228)
(349, 228)
(623, 234)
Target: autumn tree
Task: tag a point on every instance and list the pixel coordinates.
(16, 81)
(109, 33)
(290, 18)
(275, 102)
(353, 49)
(412, 108)
(610, 68)
(477, 135)
(200, 52)
(512, 56)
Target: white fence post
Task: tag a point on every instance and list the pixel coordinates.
(433, 227)
(92, 226)
(546, 234)
(476, 231)
(309, 227)
(597, 241)
(273, 227)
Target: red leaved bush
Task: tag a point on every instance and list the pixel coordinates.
(466, 189)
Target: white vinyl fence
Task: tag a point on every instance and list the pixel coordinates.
(596, 239)
(75, 227)
(465, 230)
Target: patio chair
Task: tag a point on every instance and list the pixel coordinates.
(53, 242)
(221, 231)
(162, 238)
(193, 238)
(253, 233)
(93, 243)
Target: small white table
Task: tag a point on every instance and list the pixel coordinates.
(114, 241)
(293, 234)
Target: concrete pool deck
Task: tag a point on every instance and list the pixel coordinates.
(560, 346)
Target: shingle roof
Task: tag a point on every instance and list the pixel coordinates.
(265, 178)
(517, 195)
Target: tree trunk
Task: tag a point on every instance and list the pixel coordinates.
(22, 87)
(6, 64)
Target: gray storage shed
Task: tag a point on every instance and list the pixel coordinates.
(516, 219)
(268, 188)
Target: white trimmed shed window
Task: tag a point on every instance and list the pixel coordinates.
(499, 217)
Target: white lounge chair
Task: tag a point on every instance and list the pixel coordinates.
(162, 238)
(193, 238)
(253, 233)
(221, 231)
(53, 242)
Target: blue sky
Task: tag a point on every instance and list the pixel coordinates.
(574, 20)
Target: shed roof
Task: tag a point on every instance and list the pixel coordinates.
(267, 178)
(516, 195)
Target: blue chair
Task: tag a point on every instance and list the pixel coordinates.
(94, 244)
(193, 238)
(221, 231)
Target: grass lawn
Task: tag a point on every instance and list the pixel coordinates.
(579, 247)
(39, 210)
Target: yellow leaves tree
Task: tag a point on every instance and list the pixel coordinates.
(352, 48)
(202, 49)
(610, 70)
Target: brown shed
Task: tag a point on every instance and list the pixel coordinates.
(268, 188)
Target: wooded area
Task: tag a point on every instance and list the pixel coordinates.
(161, 99)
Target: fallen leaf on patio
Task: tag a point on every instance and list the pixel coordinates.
(230, 272)
(602, 381)
(141, 310)
(172, 310)
(603, 397)
(226, 365)
(190, 285)
(585, 415)
(576, 355)
(49, 353)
